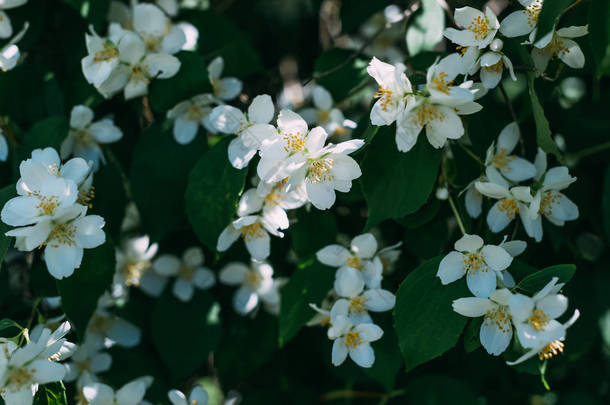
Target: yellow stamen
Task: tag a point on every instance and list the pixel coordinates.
(251, 232)
(550, 350)
(358, 304)
(386, 97)
(502, 159)
(441, 84)
(294, 142)
(479, 27)
(354, 262)
(352, 339)
(500, 318)
(47, 205)
(320, 171)
(473, 263)
(547, 201)
(538, 320)
(426, 114)
(533, 12)
(508, 207)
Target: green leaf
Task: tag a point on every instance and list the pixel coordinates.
(395, 183)
(212, 193)
(191, 80)
(308, 285)
(51, 394)
(543, 130)
(185, 333)
(81, 291)
(354, 13)
(472, 340)
(387, 360)
(95, 12)
(605, 204)
(158, 178)
(41, 281)
(6, 323)
(599, 35)
(436, 389)
(48, 132)
(424, 320)
(320, 223)
(110, 198)
(426, 28)
(520, 270)
(6, 194)
(549, 16)
(535, 282)
(340, 72)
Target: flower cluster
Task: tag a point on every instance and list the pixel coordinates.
(137, 50)
(357, 289)
(50, 211)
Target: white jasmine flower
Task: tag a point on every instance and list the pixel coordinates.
(133, 268)
(522, 22)
(198, 396)
(356, 307)
(156, 30)
(254, 230)
(25, 368)
(560, 46)
(482, 265)
(536, 324)
(87, 362)
(388, 256)
(480, 29)
(107, 330)
(188, 270)
(256, 286)
(394, 94)
(496, 330)
(331, 119)
(85, 137)
(131, 393)
(322, 316)
(353, 340)
(6, 29)
(493, 63)
(510, 202)
(226, 88)
(357, 266)
(9, 53)
(498, 156)
(251, 128)
(188, 115)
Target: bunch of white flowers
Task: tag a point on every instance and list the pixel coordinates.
(51, 211)
(131, 56)
(358, 290)
(504, 171)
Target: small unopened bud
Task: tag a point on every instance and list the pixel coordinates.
(442, 193)
(496, 45)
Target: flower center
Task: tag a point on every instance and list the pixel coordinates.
(440, 84)
(479, 27)
(273, 198)
(138, 73)
(385, 95)
(108, 52)
(358, 305)
(550, 350)
(538, 319)
(21, 377)
(320, 171)
(427, 113)
(323, 116)
(473, 263)
(62, 234)
(84, 136)
(500, 318)
(99, 324)
(352, 339)
(134, 271)
(47, 205)
(533, 11)
(251, 232)
(216, 87)
(152, 44)
(508, 207)
(502, 159)
(186, 272)
(355, 263)
(546, 203)
(253, 279)
(497, 68)
(294, 142)
(195, 113)
(555, 48)
(86, 196)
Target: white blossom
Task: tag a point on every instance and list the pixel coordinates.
(522, 22)
(354, 341)
(499, 156)
(226, 88)
(254, 230)
(479, 28)
(188, 115)
(197, 396)
(562, 46)
(394, 94)
(131, 393)
(87, 361)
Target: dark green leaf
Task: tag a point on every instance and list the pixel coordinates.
(81, 291)
(159, 176)
(340, 72)
(549, 16)
(606, 204)
(185, 333)
(51, 394)
(520, 270)
(387, 360)
(110, 199)
(95, 12)
(425, 322)
(425, 30)
(49, 132)
(440, 389)
(212, 193)
(535, 282)
(395, 183)
(308, 285)
(354, 13)
(6, 194)
(472, 340)
(599, 34)
(319, 223)
(543, 130)
(6, 323)
(191, 80)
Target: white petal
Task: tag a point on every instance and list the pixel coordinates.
(468, 243)
(233, 273)
(348, 282)
(520, 307)
(364, 246)
(261, 109)
(516, 24)
(185, 130)
(451, 268)
(339, 352)
(167, 265)
(495, 335)
(481, 282)
(333, 255)
(379, 300)
(61, 260)
(496, 257)
(244, 301)
(472, 306)
(363, 355)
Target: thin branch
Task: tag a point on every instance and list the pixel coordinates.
(576, 156)
(147, 113)
(456, 214)
(471, 154)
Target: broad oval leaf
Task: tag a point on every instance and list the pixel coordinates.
(535, 282)
(6, 194)
(549, 16)
(426, 29)
(340, 72)
(425, 322)
(543, 129)
(212, 193)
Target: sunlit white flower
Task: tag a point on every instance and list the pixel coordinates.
(85, 136)
(497, 329)
(226, 88)
(482, 265)
(257, 286)
(358, 266)
(322, 113)
(254, 230)
(131, 393)
(188, 115)
(356, 307)
(156, 30)
(522, 22)
(536, 324)
(133, 268)
(189, 272)
(197, 396)
(560, 46)
(479, 28)
(493, 63)
(251, 129)
(86, 362)
(394, 94)
(499, 156)
(354, 341)
(103, 53)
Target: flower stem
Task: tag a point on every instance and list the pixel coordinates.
(29, 324)
(456, 214)
(589, 151)
(471, 154)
